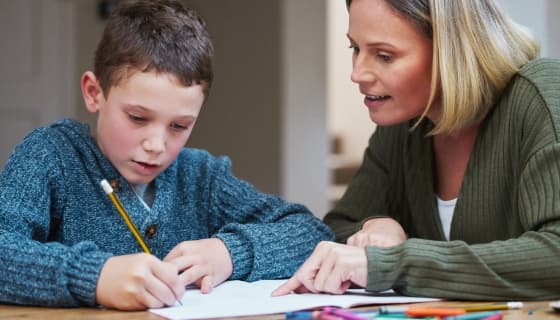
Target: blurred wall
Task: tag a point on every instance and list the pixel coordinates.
(89, 27)
(282, 73)
(541, 17)
(241, 118)
(267, 106)
(347, 116)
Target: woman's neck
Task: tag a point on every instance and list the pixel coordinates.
(451, 155)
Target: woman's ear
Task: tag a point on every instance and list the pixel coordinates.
(91, 91)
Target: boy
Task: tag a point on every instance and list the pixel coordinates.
(63, 243)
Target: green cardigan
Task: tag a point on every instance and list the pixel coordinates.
(505, 233)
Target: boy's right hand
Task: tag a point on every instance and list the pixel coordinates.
(137, 282)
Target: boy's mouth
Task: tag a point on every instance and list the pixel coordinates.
(146, 165)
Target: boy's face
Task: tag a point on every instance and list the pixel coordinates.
(144, 122)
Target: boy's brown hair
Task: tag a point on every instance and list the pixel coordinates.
(149, 35)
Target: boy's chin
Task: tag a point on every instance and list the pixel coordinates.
(140, 181)
(137, 179)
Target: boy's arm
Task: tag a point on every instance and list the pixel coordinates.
(36, 270)
(267, 237)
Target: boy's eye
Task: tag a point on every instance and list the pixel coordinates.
(179, 127)
(136, 118)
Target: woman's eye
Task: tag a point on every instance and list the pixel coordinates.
(384, 57)
(355, 50)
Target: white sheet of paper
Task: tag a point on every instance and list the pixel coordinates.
(239, 298)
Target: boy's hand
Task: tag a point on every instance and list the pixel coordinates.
(137, 282)
(380, 232)
(205, 262)
(331, 268)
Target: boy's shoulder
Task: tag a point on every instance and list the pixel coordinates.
(52, 147)
(193, 163)
(195, 155)
(56, 134)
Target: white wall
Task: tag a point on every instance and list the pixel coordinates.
(531, 14)
(305, 139)
(553, 25)
(541, 17)
(347, 115)
(284, 68)
(88, 26)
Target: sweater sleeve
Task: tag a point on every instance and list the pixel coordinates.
(526, 267)
(267, 237)
(35, 270)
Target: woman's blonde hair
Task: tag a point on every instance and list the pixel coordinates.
(477, 49)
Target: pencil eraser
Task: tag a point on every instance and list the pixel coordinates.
(106, 186)
(515, 305)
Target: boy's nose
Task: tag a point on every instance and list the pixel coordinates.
(154, 143)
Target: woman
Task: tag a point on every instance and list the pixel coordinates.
(458, 195)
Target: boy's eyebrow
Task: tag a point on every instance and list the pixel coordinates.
(186, 117)
(139, 106)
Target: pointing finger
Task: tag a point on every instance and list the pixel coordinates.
(289, 286)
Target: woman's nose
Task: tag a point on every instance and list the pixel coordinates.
(362, 70)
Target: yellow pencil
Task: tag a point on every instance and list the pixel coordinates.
(492, 307)
(131, 226)
(473, 307)
(109, 191)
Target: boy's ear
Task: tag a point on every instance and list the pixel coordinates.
(91, 91)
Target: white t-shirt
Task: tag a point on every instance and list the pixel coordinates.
(145, 193)
(446, 208)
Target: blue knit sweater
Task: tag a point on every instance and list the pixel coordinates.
(57, 226)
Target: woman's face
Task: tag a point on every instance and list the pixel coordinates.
(392, 62)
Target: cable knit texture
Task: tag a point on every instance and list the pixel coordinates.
(505, 231)
(57, 226)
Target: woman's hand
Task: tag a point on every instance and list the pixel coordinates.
(205, 263)
(380, 232)
(137, 282)
(331, 268)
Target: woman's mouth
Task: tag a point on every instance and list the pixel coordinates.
(376, 98)
(373, 102)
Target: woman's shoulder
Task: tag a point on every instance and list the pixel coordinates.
(541, 66)
(530, 104)
(544, 73)
(539, 77)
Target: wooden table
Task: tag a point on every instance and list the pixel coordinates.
(532, 311)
